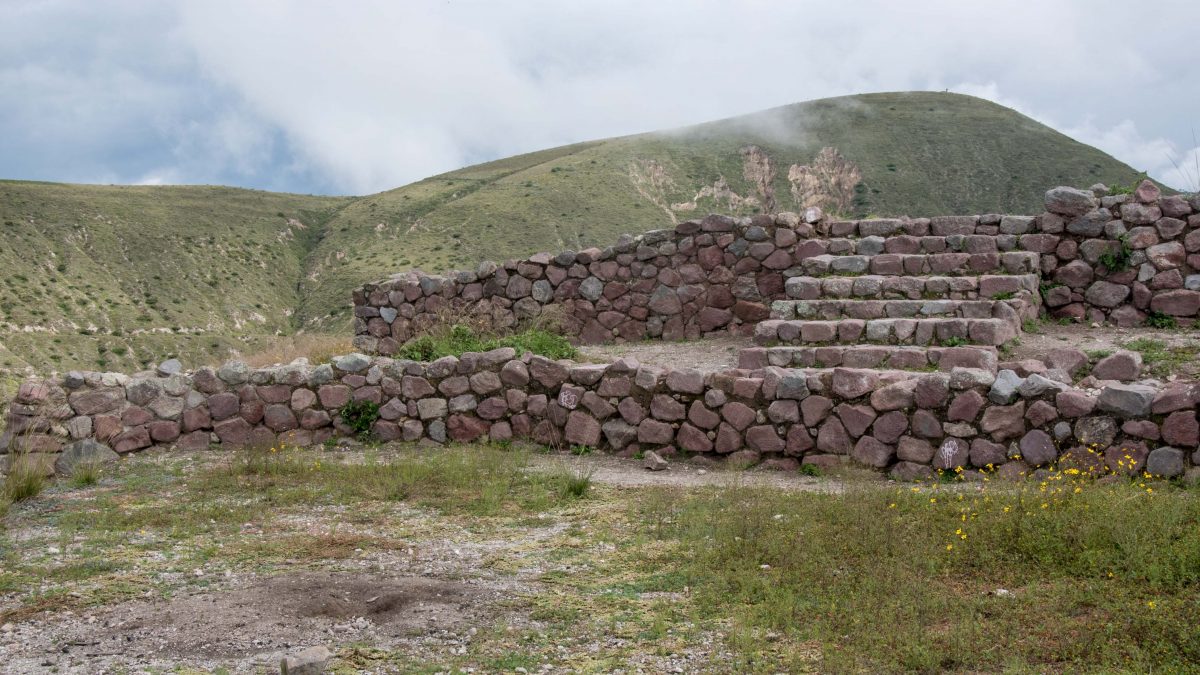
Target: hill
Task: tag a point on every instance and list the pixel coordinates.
(121, 276)
(914, 154)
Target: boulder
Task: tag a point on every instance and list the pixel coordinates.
(86, 451)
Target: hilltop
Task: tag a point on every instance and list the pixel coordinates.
(113, 277)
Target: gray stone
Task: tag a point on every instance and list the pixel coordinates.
(1037, 448)
(1006, 387)
(234, 372)
(653, 461)
(1165, 462)
(352, 363)
(388, 314)
(170, 367)
(430, 408)
(86, 451)
(1127, 400)
(311, 661)
(591, 288)
(1068, 201)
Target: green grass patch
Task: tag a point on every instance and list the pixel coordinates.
(460, 339)
(1162, 359)
(1016, 579)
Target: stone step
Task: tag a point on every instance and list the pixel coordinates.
(885, 331)
(912, 287)
(901, 264)
(906, 243)
(836, 308)
(871, 356)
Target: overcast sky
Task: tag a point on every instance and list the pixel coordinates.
(358, 97)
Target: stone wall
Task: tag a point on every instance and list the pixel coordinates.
(722, 274)
(906, 422)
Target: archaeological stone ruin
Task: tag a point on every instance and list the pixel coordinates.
(878, 342)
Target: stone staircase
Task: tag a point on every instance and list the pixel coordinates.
(897, 301)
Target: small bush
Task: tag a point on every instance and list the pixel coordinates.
(360, 416)
(810, 470)
(460, 339)
(1157, 319)
(1117, 260)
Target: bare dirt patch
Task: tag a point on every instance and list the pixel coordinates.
(708, 355)
(253, 624)
(1109, 339)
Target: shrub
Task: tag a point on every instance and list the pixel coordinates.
(1157, 319)
(360, 416)
(1117, 260)
(459, 339)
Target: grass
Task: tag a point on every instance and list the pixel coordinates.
(1055, 575)
(135, 271)
(85, 474)
(910, 580)
(459, 339)
(25, 480)
(1162, 359)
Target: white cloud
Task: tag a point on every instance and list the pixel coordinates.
(364, 96)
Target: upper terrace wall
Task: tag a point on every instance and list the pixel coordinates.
(721, 274)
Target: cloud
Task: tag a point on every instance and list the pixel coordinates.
(334, 97)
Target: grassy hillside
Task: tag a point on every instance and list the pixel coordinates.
(114, 276)
(917, 153)
(120, 276)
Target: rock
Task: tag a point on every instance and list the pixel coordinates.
(582, 429)
(86, 451)
(234, 372)
(1123, 365)
(653, 461)
(953, 453)
(1180, 302)
(311, 661)
(1165, 462)
(1180, 428)
(1068, 201)
(1099, 430)
(352, 363)
(1106, 294)
(910, 472)
(1005, 389)
(169, 367)
(1037, 448)
(1002, 422)
(1127, 400)
(872, 452)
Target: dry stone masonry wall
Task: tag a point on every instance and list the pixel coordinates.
(907, 422)
(876, 343)
(1088, 257)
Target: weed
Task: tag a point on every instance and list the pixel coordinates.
(1005, 295)
(810, 470)
(25, 480)
(954, 341)
(1156, 319)
(1097, 354)
(85, 474)
(1032, 326)
(580, 450)
(1118, 259)
(360, 416)
(575, 484)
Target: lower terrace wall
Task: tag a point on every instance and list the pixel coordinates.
(906, 422)
(721, 274)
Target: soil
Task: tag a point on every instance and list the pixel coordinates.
(708, 355)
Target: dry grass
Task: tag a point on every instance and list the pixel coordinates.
(315, 347)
